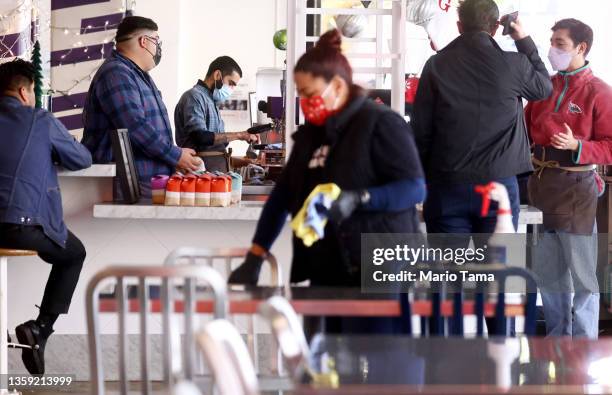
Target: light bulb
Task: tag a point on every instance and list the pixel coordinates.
(66, 31)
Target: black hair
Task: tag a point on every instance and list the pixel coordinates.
(226, 64)
(16, 74)
(579, 32)
(131, 24)
(326, 60)
(478, 15)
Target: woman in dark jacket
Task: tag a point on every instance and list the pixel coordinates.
(365, 148)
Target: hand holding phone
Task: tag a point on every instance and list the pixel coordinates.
(260, 128)
(507, 21)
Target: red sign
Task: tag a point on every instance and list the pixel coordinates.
(444, 5)
(412, 85)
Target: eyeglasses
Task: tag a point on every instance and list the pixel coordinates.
(156, 40)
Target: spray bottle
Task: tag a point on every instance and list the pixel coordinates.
(497, 192)
(498, 243)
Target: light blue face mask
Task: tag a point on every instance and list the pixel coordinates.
(223, 93)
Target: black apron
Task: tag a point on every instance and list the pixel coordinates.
(217, 159)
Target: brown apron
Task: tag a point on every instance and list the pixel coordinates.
(217, 160)
(566, 194)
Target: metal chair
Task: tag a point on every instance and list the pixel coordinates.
(228, 359)
(287, 331)
(171, 339)
(501, 273)
(229, 255)
(193, 256)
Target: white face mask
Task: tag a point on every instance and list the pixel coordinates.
(559, 59)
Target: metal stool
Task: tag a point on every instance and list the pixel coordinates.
(4, 344)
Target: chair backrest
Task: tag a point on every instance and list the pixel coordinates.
(287, 331)
(193, 256)
(228, 359)
(171, 339)
(501, 273)
(228, 255)
(441, 290)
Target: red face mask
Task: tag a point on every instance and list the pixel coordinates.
(314, 109)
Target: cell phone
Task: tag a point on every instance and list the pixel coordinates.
(507, 20)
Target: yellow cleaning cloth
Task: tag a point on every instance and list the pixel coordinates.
(308, 224)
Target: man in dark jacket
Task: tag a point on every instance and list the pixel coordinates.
(33, 140)
(468, 119)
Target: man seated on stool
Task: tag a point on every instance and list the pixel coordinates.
(33, 141)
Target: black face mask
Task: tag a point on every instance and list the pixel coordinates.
(158, 53)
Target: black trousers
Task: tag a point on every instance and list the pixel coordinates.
(66, 262)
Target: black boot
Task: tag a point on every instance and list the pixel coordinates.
(34, 335)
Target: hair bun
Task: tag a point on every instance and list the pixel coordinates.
(331, 40)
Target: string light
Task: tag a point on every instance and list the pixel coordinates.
(67, 31)
(7, 19)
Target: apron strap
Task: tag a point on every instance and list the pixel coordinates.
(553, 164)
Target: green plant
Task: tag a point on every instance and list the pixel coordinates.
(38, 79)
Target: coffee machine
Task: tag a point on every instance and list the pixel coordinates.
(270, 99)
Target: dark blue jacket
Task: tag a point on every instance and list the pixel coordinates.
(33, 140)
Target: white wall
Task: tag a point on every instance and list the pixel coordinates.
(167, 16)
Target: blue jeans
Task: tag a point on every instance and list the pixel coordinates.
(456, 208)
(566, 265)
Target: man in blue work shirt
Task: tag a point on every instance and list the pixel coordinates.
(33, 141)
(123, 95)
(197, 120)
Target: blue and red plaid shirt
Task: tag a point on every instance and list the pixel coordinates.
(122, 96)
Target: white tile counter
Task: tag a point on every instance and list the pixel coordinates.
(244, 211)
(93, 171)
(530, 216)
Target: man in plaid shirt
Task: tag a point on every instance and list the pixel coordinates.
(123, 95)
